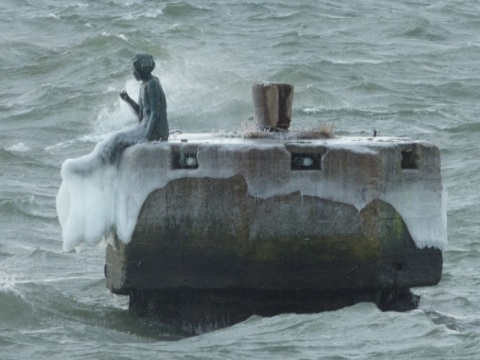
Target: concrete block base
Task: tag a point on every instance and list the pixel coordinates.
(264, 228)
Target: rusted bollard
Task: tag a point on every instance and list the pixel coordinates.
(273, 105)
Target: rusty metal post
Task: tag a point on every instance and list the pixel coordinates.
(273, 105)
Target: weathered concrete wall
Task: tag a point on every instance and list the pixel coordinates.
(249, 221)
(209, 234)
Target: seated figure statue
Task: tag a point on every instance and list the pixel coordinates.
(151, 109)
(86, 200)
(151, 112)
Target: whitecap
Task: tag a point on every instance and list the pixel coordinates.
(20, 147)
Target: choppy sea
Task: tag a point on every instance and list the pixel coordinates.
(405, 68)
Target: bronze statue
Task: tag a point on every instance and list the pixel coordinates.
(151, 112)
(151, 109)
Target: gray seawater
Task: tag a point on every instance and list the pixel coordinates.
(406, 68)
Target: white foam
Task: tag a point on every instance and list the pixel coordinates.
(20, 147)
(117, 117)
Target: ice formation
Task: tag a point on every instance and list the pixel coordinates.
(86, 200)
(108, 198)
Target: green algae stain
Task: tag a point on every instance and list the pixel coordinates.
(399, 229)
(315, 249)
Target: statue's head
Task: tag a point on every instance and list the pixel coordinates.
(143, 64)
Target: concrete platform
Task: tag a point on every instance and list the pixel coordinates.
(213, 229)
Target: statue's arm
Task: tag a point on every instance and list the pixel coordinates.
(133, 105)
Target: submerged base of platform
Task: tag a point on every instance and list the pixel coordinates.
(199, 311)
